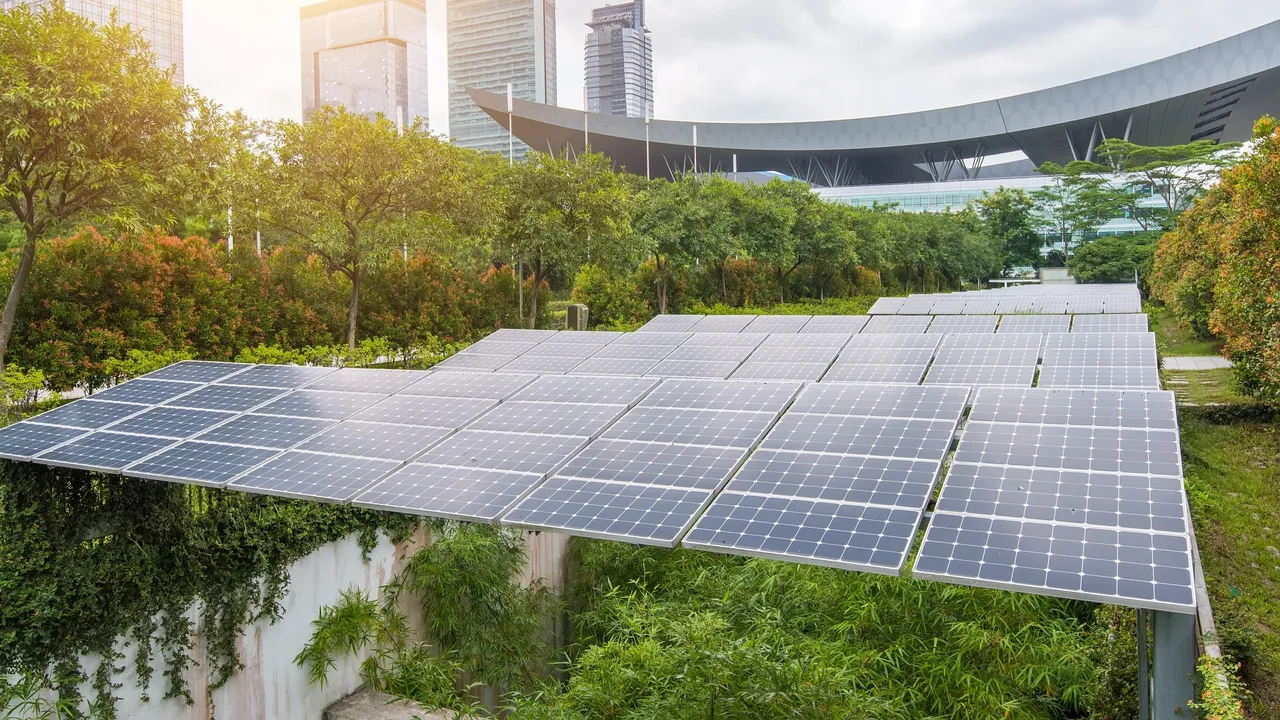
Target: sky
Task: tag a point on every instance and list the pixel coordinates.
(769, 60)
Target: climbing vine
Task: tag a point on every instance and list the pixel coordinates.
(86, 559)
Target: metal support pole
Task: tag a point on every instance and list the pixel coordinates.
(520, 285)
(1144, 673)
(647, 174)
(1174, 635)
(735, 167)
(511, 127)
(586, 123)
(695, 151)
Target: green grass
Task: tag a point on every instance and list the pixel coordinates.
(1233, 475)
(1175, 339)
(1202, 387)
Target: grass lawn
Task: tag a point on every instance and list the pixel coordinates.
(1233, 475)
(1201, 387)
(1176, 340)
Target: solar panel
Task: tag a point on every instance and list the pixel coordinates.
(723, 323)
(375, 440)
(776, 354)
(607, 510)
(628, 367)
(146, 392)
(1130, 304)
(313, 476)
(1084, 306)
(807, 340)
(894, 374)
(542, 365)
(632, 351)
(201, 463)
(229, 398)
(697, 427)
(467, 385)
(176, 423)
(841, 535)
(1093, 357)
(999, 341)
(650, 463)
(723, 339)
(550, 349)
(985, 306)
(469, 494)
(320, 404)
(881, 324)
(648, 339)
(364, 380)
(605, 391)
(886, 306)
(918, 305)
(693, 369)
(863, 355)
(671, 323)
(1093, 340)
(1034, 324)
(1100, 499)
(853, 435)
(948, 305)
(981, 375)
(22, 440)
(1101, 408)
(499, 347)
(87, 414)
(835, 324)
(199, 371)
(841, 480)
(266, 431)
(1049, 306)
(520, 335)
(710, 353)
(426, 411)
(893, 340)
(278, 376)
(725, 395)
(1114, 376)
(519, 452)
(778, 323)
(1110, 323)
(103, 451)
(1102, 449)
(753, 370)
(963, 324)
(1011, 306)
(951, 355)
(1137, 569)
(593, 337)
(553, 418)
(475, 362)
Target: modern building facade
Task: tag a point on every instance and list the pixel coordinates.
(493, 43)
(369, 56)
(159, 21)
(618, 71)
(1214, 92)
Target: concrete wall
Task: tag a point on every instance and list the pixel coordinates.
(271, 687)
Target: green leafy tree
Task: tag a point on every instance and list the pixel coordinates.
(90, 130)
(672, 221)
(1008, 215)
(561, 213)
(1177, 173)
(359, 191)
(1113, 259)
(1075, 204)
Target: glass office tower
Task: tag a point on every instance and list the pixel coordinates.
(492, 43)
(619, 61)
(369, 56)
(159, 21)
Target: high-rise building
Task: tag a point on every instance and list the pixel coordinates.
(159, 21)
(369, 56)
(619, 61)
(493, 43)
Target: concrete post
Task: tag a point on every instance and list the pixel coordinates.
(1175, 664)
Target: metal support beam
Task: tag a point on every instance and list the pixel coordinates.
(1144, 672)
(1128, 127)
(1093, 142)
(1174, 635)
(1070, 144)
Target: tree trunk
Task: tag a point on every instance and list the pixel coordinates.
(533, 296)
(353, 308)
(15, 295)
(662, 288)
(782, 286)
(724, 292)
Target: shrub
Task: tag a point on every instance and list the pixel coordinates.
(1112, 259)
(612, 302)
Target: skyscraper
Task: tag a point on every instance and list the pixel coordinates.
(369, 56)
(619, 61)
(492, 43)
(159, 21)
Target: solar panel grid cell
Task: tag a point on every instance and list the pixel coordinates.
(760, 370)
(835, 324)
(467, 385)
(147, 392)
(364, 380)
(22, 440)
(88, 414)
(313, 476)
(229, 398)
(1115, 376)
(426, 411)
(542, 365)
(200, 463)
(888, 324)
(886, 306)
(963, 324)
(627, 367)
(277, 376)
(320, 404)
(778, 324)
(471, 494)
(1034, 324)
(199, 371)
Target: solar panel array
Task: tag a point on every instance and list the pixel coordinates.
(1071, 493)
(811, 439)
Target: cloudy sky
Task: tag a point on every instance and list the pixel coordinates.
(771, 60)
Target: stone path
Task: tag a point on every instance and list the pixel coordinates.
(1196, 363)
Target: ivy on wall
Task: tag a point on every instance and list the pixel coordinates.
(88, 558)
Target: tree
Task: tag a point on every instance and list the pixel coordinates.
(1008, 216)
(1113, 259)
(1074, 204)
(561, 213)
(359, 191)
(90, 129)
(672, 220)
(1177, 173)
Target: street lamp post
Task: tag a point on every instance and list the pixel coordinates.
(647, 175)
(695, 151)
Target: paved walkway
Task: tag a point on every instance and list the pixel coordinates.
(1196, 363)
